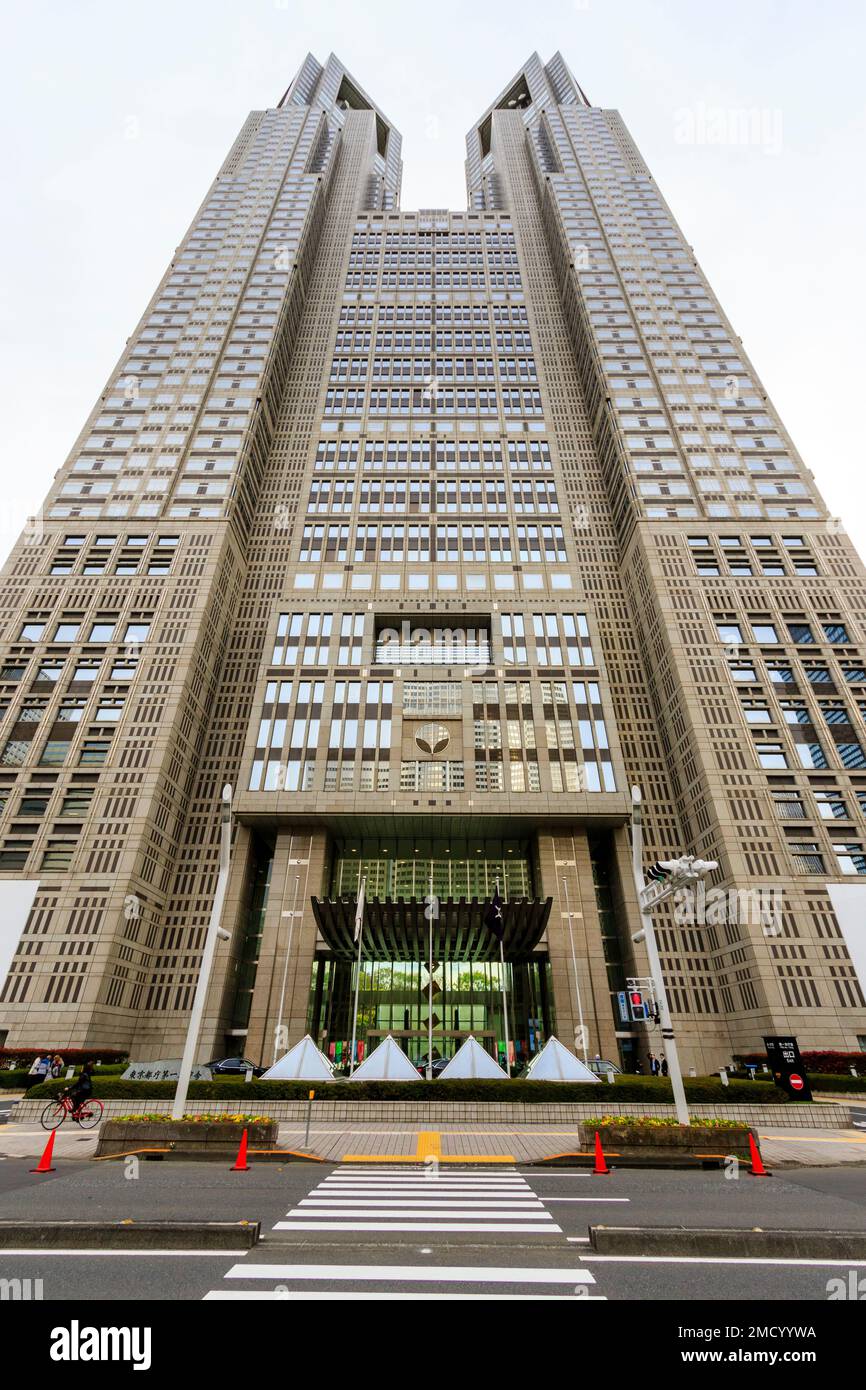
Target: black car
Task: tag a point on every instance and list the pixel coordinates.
(439, 1065)
(234, 1066)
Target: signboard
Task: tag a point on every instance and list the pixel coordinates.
(162, 1071)
(622, 1001)
(656, 893)
(786, 1064)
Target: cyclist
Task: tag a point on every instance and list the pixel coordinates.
(83, 1088)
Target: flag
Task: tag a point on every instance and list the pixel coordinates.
(493, 919)
(359, 910)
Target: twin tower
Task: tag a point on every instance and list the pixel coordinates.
(432, 533)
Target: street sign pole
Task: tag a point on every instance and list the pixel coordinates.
(649, 939)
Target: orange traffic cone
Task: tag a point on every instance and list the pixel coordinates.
(757, 1169)
(44, 1165)
(601, 1167)
(240, 1164)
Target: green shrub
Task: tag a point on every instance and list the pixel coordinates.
(17, 1080)
(72, 1056)
(814, 1062)
(827, 1081)
(20, 1079)
(649, 1090)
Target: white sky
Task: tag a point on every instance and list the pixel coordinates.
(117, 117)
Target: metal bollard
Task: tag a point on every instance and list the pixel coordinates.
(309, 1117)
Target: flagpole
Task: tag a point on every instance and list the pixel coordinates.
(504, 1000)
(278, 1033)
(430, 984)
(360, 929)
(574, 968)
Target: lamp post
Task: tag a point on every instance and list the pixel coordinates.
(214, 931)
(683, 871)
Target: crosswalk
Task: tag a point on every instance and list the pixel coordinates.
(357, 1199)
(497, 1202)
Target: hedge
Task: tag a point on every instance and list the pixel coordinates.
(20, 1079)
(640, 1089)
(826, 1081)
(17, 1080)
(815, 1062)
(72, 1056)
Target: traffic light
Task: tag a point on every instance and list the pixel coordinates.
(637, 1006)
(661, 870)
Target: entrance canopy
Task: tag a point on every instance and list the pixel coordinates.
(471, 1060)
(398, 930)
(303, 1062)
(555, 1063)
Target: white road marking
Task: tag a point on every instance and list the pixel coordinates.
(110, 1254)
(332, 1296)
(417, 1274)
(716, 1260)
(587, 1199)
(386, 1203)
(411, 1210)
(510, 1226)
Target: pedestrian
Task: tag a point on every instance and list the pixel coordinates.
(56, 1065)
(664, 1066)
(36, 1069)
(637, 1067)
(653, 1064)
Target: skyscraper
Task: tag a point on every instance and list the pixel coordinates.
(432, 533)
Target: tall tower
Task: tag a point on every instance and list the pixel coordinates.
(432, 533)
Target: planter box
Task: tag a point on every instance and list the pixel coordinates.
(204, 1139)
(670, 1144)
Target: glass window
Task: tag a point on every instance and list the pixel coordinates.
(850, 859)
(771, 755)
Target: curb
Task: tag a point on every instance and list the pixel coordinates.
(704, 1240)
(126, 1235)
(689, 1162)
(168, 1155)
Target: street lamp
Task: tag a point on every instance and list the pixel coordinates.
(213, 933)
(669, 876)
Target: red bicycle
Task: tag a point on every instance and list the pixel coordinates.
(87, 1113)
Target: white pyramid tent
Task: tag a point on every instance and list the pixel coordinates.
(386, 1063)
(470, 1060)
(555, 1063)
(303, 1062)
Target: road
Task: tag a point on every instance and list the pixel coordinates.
(368, 1232)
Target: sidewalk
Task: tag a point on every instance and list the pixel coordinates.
(459, 1142)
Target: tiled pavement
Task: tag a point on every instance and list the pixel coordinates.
(474, 1143)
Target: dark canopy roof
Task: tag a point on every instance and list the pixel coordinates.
(398, 930)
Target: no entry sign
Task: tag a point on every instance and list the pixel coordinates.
(786, 1064)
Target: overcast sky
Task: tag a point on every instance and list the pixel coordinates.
(117, 117)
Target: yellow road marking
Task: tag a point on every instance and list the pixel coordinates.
(807, 1139)
(429, 1145)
